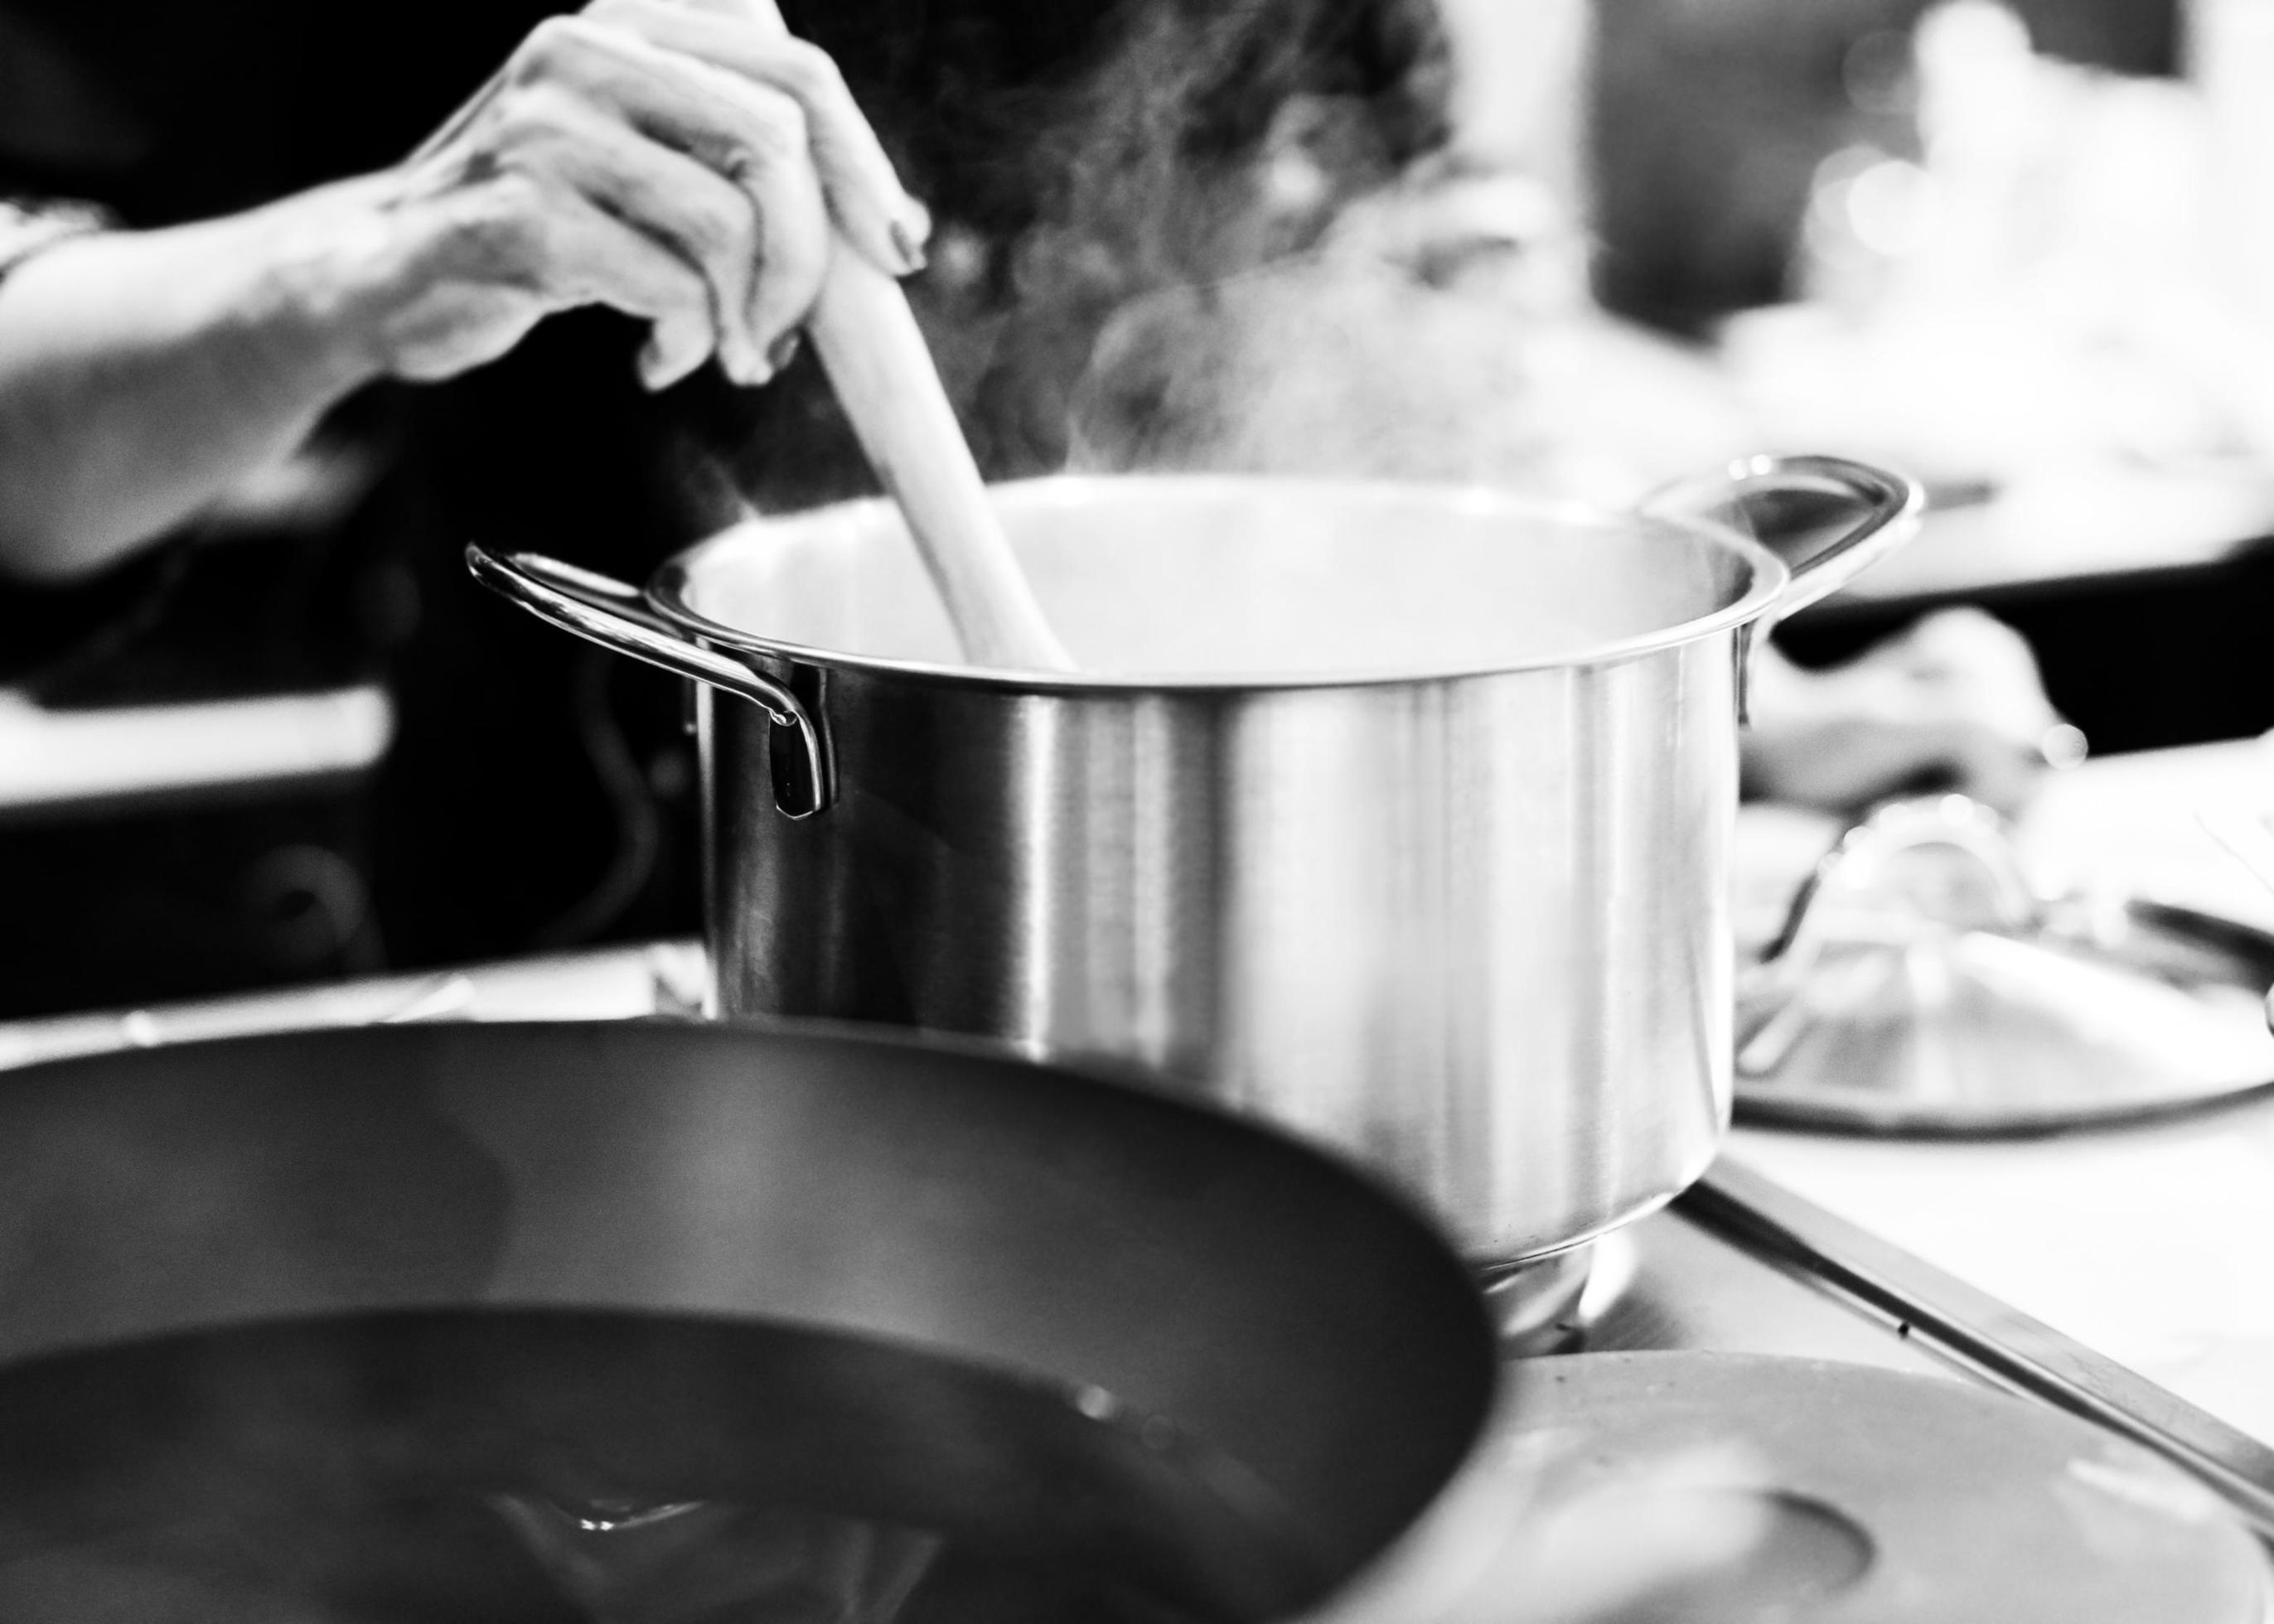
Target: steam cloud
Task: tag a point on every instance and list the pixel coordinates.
(1262, 251)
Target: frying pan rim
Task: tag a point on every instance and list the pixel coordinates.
(1463, 1474)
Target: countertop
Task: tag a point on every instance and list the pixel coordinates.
(2153, 1245)
(52, 761)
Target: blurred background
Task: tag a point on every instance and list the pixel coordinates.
(2023, 250)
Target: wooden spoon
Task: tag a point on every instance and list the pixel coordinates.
(875, 355)
(877, 360)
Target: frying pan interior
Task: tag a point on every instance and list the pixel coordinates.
(1048, 1318)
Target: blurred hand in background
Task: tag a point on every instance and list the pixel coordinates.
(1953, 703)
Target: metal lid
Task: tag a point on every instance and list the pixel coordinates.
(1920, 988)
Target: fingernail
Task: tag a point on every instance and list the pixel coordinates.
(2063, 746)
(653, 374)
(910, 248)
(781, 352)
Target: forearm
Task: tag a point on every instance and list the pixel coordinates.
(143, 374)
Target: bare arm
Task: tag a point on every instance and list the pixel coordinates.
(663, 157)
(142, 373)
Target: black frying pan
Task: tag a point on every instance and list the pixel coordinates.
(277, 1296)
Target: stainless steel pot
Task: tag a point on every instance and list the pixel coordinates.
(1397, 813)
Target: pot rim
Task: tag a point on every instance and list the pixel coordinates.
(669, 588)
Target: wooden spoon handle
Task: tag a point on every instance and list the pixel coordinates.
(877, 360)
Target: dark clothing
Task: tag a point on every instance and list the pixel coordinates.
(44, 630)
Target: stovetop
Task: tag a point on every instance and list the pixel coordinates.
(1741, 1266)
(1741, 1263)
(1673, 1283)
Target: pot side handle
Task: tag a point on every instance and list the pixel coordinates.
(1768, 990)
(616, 616)
(1889, 504)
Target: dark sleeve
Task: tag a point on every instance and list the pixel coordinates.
(42, 628)
(45, 630)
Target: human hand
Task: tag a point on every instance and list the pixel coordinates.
(681, 160)
(1955, 703)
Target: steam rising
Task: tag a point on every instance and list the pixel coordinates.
(1265, 250)
(1352, 366)
(1188, 141)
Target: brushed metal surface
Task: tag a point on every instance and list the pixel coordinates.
(1398, 814)
(1502, 973)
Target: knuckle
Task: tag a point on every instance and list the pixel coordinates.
(547, 47)
(742, 161)
(766, 136)
(777, 128)
(810, 71)
(719, 227)
(790, 120)
(504, 227)
(528, 112)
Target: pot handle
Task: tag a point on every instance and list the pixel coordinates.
(1767, 989)
(1890, 504)
(616, 616)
